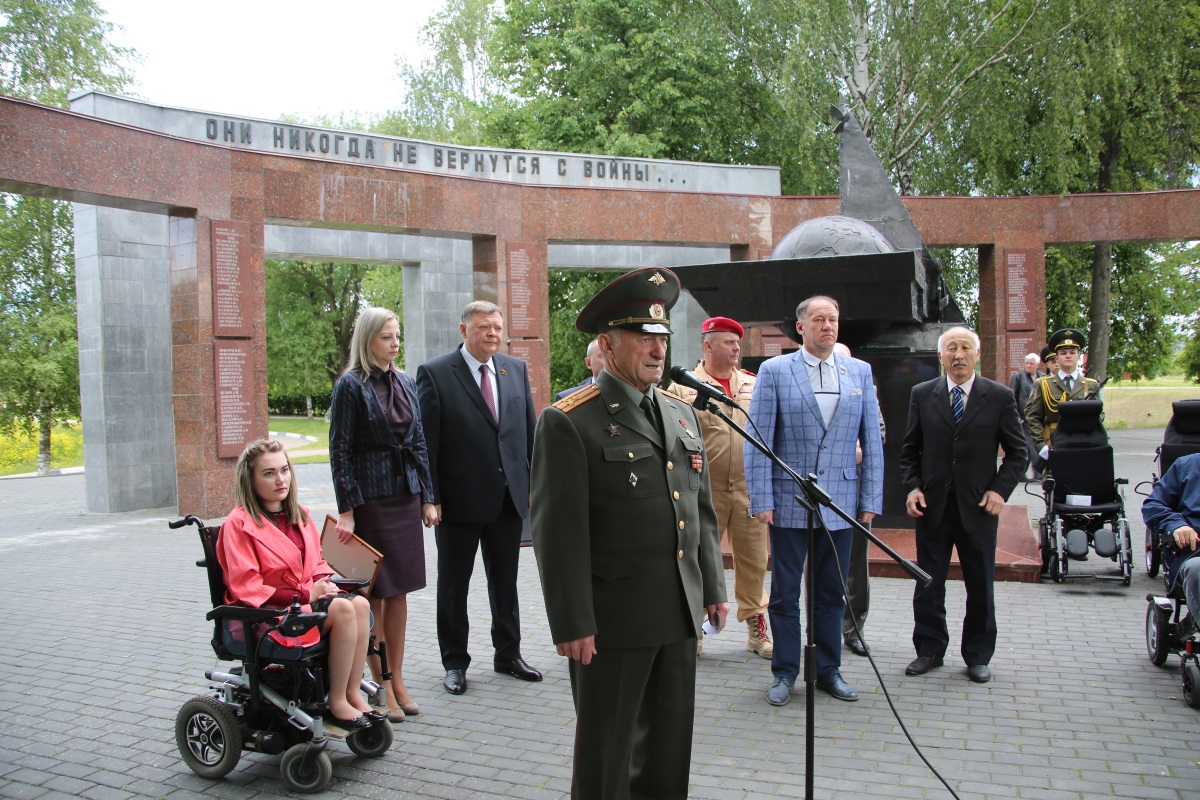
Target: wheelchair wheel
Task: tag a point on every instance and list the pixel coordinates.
(1153, 554)
(371, 742)
(1191, 683)
(1058, 568)
(306, 781)
(1158, 634)
(1124, 550)
(208, 737)
(1044, 544)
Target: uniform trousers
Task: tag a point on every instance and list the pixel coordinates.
(748, 541)
(634, 710)
(789, 546)
(858, 587)
(457, 544)
(977, 558)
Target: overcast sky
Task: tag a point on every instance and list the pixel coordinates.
(263, 58)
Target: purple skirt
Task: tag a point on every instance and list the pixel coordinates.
(392, 525)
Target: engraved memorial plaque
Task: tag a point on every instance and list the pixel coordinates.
(230, 263)
(234, 363)
(522, 297)
(1020, 345)
(535, 355)
(1022, 295)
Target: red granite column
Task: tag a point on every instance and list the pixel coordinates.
(524, 290)
(219, 355)
(1012, 304)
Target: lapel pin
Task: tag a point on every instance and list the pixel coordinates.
(613, 430)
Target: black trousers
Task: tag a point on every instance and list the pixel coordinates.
(633, 732)
(977, 557)
(457, 544)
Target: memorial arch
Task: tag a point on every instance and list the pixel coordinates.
(176, 211)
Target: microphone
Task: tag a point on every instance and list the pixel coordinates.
(685, 378)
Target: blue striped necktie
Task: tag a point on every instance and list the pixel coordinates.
(956, 403)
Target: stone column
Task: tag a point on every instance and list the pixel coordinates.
(1012, 304)
(214, 418)
(123, 309)
(522, 286)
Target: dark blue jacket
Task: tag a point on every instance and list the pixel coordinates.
(1173, 503)
(361, 445)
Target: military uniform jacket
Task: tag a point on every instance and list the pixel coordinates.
(1041, 410)
(623, 525)
(726, 467)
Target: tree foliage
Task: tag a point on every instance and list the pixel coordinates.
(39, 357)
(310, 312)
(48, 49)
(569, 292)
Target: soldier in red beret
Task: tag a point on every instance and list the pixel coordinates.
(721, 339)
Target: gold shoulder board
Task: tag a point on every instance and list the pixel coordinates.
(576, 399)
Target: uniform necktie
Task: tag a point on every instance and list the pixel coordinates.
(485, 385)
(1069, 381)
(651, 412)
(956, 403)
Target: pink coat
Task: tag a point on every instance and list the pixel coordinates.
(258, 559)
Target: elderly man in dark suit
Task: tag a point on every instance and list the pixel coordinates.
(477, 409)
(628, 548)
(956, 423)
(594, 361)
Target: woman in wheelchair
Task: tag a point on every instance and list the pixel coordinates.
(270, 553)
(1173, 507)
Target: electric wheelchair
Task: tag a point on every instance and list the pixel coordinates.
(275, 701)
(1085, 504)
(1171, 629)
(1181, 438)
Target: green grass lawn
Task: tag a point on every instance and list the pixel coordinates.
(18, 449)
(317, 426)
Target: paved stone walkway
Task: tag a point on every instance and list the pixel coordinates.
(106, 639)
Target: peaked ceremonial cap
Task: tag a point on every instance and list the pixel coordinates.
(636, 301)
(1067, 337)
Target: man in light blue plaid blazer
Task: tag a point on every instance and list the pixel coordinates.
(812, 407)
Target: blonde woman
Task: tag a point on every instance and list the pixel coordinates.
(381, 479)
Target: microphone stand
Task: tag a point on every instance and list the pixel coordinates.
(813, 496)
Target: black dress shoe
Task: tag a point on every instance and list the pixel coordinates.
(455, 681)
(361, 722)
(518, 669)
(922, 664)
(857, 646)
(979, 673)
(837, 686)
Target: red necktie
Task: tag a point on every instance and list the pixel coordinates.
(485, 385)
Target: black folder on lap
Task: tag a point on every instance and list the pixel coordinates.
(354, 559)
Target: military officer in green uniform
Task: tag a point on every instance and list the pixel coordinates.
(627, 544)
(1065, 382)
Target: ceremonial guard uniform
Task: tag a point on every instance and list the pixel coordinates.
(628, 550)
(1041, 411)
(731, 499)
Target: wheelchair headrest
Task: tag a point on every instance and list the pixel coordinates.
(1079, 424)
(1185, 420)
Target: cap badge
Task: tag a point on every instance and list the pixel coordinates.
(657, 312)
(657, 279)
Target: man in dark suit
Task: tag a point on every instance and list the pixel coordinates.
(628, 548)
(948, 464)
(477, 410)
(594, 361)
(1021, 383)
